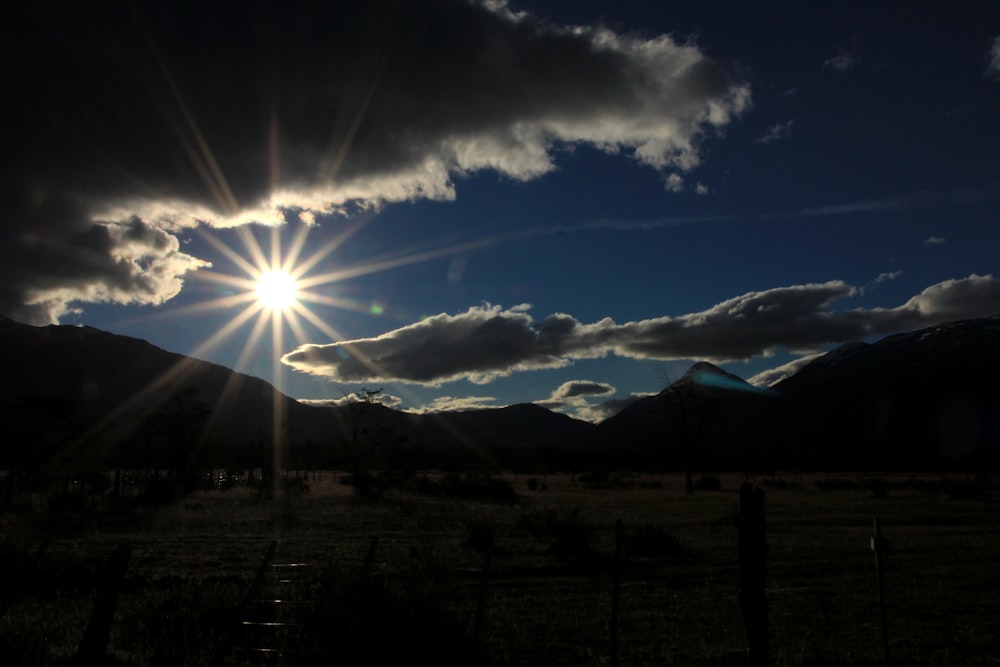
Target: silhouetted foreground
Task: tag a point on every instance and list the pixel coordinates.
(547, 578)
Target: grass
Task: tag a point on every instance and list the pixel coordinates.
(548, 600)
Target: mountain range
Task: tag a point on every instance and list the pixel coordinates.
(925, 399)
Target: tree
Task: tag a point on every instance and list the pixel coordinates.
(173, 431)
(359, 411)
(687, 415)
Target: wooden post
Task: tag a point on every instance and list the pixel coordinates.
(616, 591)
(484, 583)
(753, 572)
(878, 546)
(94, 646)
(370, 558)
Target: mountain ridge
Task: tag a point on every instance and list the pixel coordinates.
(919, 398)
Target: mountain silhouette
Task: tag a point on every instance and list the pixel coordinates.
(924, 399)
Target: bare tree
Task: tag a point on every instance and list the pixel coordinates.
(359, 409)
(687, 416)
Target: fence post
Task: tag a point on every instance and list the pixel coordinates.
(616, 591)
(94, 646)
(753, 572)
(879, 546)
(370, 558)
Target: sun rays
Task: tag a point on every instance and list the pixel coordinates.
(277, 290)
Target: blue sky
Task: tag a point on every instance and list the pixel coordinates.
(533, 201)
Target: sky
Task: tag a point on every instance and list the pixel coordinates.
(484, 203)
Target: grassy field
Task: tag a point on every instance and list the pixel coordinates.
(548, 600)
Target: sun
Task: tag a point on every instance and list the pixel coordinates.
(277, 290)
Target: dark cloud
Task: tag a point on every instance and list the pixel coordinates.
(580, 388)
(51, 261)
(571, 398)
(178, 114)
(480, 345)
(487, 342)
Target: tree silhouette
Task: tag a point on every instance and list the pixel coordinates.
(687, 415)
(359, 413)
(173, 431)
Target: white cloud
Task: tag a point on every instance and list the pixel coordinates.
(388, 400)
(774, 375)
(457, 404)
(674, 183)
(933, 241)
(487, 342)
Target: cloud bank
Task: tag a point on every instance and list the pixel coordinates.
(161, 116)
(487, 342)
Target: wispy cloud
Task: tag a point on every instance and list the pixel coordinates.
(171, 130)
(907, 201)
(457, 404)
(844, 60)
(993, 68)
(934, 240)
(487, 342)
(885, 277)
(776, 132)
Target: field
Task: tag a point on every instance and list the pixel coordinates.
(548, 598)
